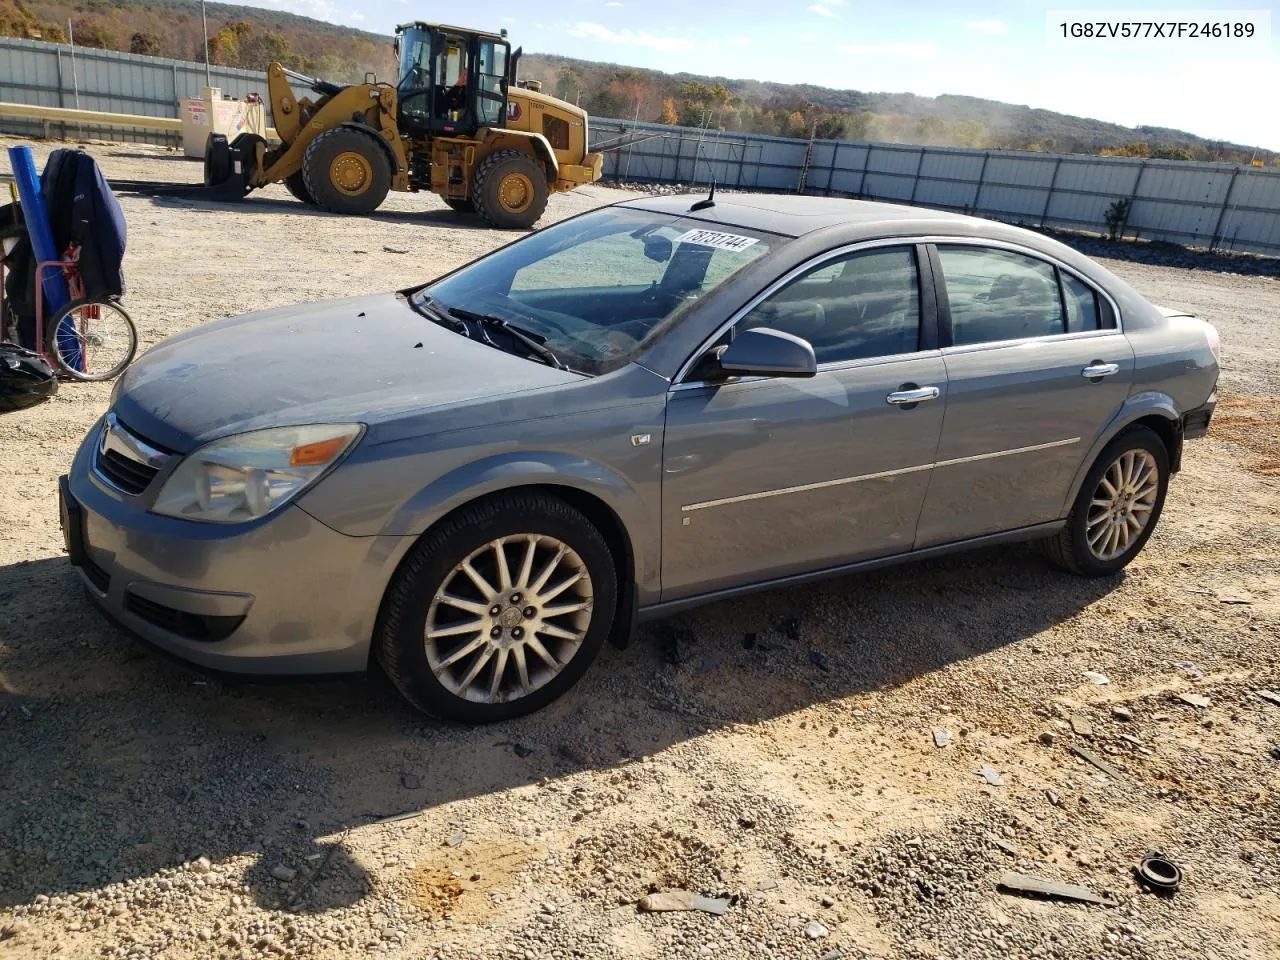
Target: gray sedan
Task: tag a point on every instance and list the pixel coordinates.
(480, 480)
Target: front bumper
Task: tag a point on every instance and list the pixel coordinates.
(285, 595)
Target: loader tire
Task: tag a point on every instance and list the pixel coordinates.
(466, 205)
(510, 190)
(217, 160)
(296, 184)
(346, 171)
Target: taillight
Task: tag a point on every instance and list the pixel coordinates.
(1215, 344)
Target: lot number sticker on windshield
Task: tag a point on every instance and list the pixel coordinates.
(721, 241)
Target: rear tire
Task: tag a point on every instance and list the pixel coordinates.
(510, 190)
(346, 171)
(443, 658)
(1135, 465)
(296, 184)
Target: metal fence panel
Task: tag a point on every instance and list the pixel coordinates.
(1214, 205)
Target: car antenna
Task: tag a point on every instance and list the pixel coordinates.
(710, 201)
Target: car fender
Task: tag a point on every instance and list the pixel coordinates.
(1138, 406)
(525, 468)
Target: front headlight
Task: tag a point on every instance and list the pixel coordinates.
(247, 476)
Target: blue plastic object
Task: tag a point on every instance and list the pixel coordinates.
(36, 218)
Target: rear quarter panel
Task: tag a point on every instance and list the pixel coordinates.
(1174, 372)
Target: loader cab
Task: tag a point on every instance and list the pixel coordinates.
(452, 81)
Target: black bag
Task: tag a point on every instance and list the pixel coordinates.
(25, 379)
(18, 320)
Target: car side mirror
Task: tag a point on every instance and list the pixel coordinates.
(759, 352)
(657, 248)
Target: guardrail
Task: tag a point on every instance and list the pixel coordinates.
(98, 118)
(95, 118)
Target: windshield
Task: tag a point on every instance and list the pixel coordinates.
(598, 288)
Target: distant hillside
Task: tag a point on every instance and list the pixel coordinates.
(247, 37)
(251, 37)
(801, 110)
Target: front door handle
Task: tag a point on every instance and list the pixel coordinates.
(1097, 370)
(911, 395)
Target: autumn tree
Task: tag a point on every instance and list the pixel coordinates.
(145, 43)
(669, 114)
(635, 87)
(1139, 149)
(90, 32)
(568, 84)
(833, 126)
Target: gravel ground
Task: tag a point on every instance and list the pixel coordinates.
(150, 812)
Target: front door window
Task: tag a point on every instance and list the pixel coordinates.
(491, 99)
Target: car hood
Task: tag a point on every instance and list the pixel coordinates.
(366, 360)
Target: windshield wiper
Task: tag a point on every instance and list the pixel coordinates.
(425, 306)
(539, 349)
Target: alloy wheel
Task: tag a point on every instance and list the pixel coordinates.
(1122, 504)
(508, 618)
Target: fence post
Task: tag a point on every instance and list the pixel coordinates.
(1226, 201)
(915, 184)
(982, 175)
(1142, 168)
(177, 100)
(675, 174)
(831, 170)
(742, 159)
(62, 96)
(866, 162)
(1048, 197)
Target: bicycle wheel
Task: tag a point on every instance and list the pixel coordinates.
(91, 339)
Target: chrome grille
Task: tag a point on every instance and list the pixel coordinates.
(124, 460)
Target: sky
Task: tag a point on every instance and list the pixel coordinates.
(997, 49)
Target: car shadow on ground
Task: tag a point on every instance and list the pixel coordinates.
(120, 763)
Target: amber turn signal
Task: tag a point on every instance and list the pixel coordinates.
(317, 454)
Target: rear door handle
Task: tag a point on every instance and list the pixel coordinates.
(1098, 369)
(914, 395)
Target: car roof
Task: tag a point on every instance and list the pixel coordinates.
(793, 215)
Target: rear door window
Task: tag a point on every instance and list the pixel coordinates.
(1081, 304)
(999, 295)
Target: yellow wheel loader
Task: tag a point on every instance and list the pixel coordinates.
(457, 123)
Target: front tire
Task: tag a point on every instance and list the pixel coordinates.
(498, 610)
(346, 171)
(1117, 508)
(510, 190)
